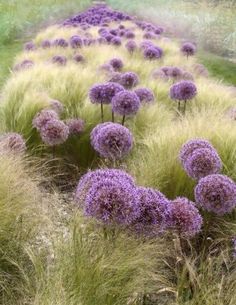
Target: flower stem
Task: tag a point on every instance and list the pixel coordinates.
(112, 117)
(184, 106)
(53, 152)
(102, 114)
(123, 120)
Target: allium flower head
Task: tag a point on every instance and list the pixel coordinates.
(78, 58)
(183, 91)
(203, 162)
(188, 49)
(129, 34)
(145, 95)
(57, 106)
(185, 217)
(216, 193)
(116, 63)
(76, 126)
(12, 142)
(131, 46)
(129, 80)
(25, 64)
(190, 146)
(152, 53)
(116, 41)
(60, 42)
(42, 117)
(30, 46)
(60, 60)
(45, 44)
(54, 132)
(125, 103)
(112, 202)
(155, 212)
(76, 42)
(111, 140)
(103, 93)
(175, 72)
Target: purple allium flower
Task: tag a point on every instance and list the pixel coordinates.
(76, 42)
(30, 46)
(78, 58)
(146, 44)
(106, 68)
(125, 103)
(187, 75)
(188, 49)
(12, 142)
(152, 53)
(116, 41)
(103, 93)
(112, 202)
(203, 162)
(43, 117)
(185, 217)
(60, 42)
(92, 177)
(166, 70)
(175, 72)
(116, 77)
(57, 106)
(111, 140)
(145, 95)
(116, 63)
(183, 91)
(54, 132)
(25, 64)
(131, 46)
(190, 146)
(149, 35)
(76, 126)
(46, 44)
(201, 70)
(60, 60)
(216, 193)
(155, 212)
(129, 80)
(159, 74)
(129, 34)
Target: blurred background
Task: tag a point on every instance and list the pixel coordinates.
(210, 23)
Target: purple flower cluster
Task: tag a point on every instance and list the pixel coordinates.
(25, 64)
(145, 95)
(117, 64)
(59, 59)
(111, 140)
(183, 91)
(60, 42)
(125, 103)
(46, 44)
(152, 52)
(129, 80)
(12, 142)
(43, 117)
(131, 46)
(216, 193)
(30, 46)
(76, 42)
(188, 49)
(56, 106)
(78, 58)
(76, 126)
(185, 218)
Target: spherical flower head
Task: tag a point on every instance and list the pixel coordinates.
(125, 103)
(116, 41)
(185, 218)
(60, 42)
(188, 49)
(57, 106)
(116, 77)
(12, 142)
(25, 64)
(129, 80)
(131, 46)
(190, 146)
(76, 126)
(103, 93)
(201, 70)
(129, 34)
(54, 132)
(42, 118)
(112, 202)
(159, 74)
(145, 95)
(92, 177)
(187, 76)
(152, 53)
(149, 35)
(46, 44)
(166, 70)
(78, 58)
(76, 42)
(183, 91)
(111, 140)
(216, 193)
(116, 63)
(203, 162)
(60, 60)
(30, 46)
(155, 212)
(175, 72)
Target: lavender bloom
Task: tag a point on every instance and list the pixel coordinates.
(116, 63)
(43, 117)
(129, 80)
(185, 217)
(106, 68)
(175, 72)
(56, 106)
(188, 49)
(30, 46)
(60, 60)
(216, 193)
(93, 177)
(112, 202)
(54, 132)
(183, 91)
(25, 64)
(12, 142)
(61, 42)
(149, 35)
(125, 103)
(76, 42)
(46, 44)
(187, 75)
(190, 146)
(155, 212)
(153, 53)
(116, 41)
(76, 126)
(129, 34)
(131, 46)
(103, 93)
(78, 58)
(203, 162)
(111, 140)
(145, 95)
